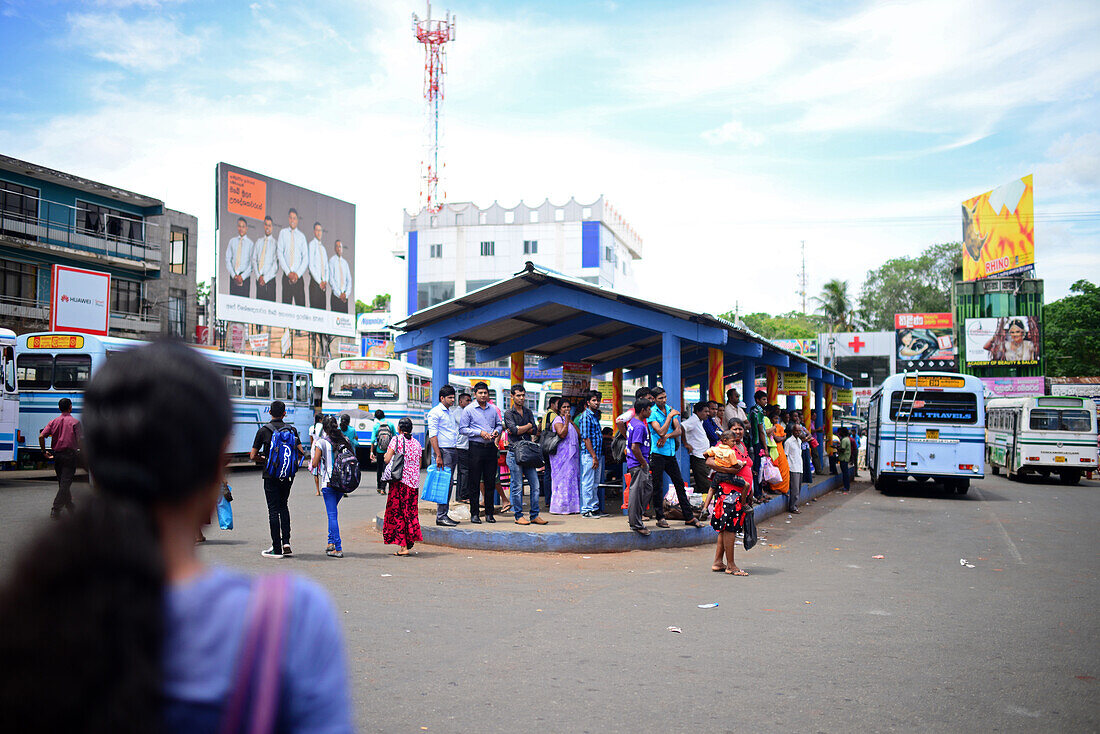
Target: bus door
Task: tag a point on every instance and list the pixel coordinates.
(1010, 443)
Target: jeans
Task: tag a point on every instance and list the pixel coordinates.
(844, 475)
(641, 487)
(516, 475)
(483, 469)
(277, 492)
(450, 459)
(590, 501)
(64, 465)
(659, 465)
(792, 493)
(332, 498)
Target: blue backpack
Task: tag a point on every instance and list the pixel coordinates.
(345, 470)
(282, 454)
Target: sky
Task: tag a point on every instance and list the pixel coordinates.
(726, 133)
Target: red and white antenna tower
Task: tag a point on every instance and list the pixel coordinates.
(433, 34)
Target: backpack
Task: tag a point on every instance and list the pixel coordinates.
(382, 437)
(282, 453)
(618, 447)
(345, 470)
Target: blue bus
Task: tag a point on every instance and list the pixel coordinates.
(55, 365)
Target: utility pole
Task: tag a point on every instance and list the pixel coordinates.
(802, 279)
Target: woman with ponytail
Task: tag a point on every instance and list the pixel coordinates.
(322, 455)
(109, 621)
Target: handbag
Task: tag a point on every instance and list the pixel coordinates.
(618, 447)
(549, 440)
(437, 485)
(396, 468)
(749, 529)
(527, 453)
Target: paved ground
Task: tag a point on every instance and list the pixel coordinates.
(821, 636)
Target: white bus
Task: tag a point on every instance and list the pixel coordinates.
(9, 399)
(55, 365)
(1047, 435)
(927, 425)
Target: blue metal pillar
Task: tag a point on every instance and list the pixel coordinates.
(441, 365)
(748, 383)
(790, 403)
(819, 425)
(670, 380)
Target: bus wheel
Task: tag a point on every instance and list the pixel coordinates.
(1070, 476)
(994, 469)
(962, 486)
(884, 484)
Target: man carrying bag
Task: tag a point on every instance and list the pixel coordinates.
(524, 456)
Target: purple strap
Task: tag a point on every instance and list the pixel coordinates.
(262, 650)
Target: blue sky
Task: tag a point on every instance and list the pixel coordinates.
(726, 133)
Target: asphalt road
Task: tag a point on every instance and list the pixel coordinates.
(820, 637)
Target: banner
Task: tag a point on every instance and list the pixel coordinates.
(576, 379)
(79, 300)
(1001, 341)
(844, 396)
(348, 350)
(925, 340)
(1014, 387)
(236, 337)
(794, 383)
(999, 231)
(286, 255)
(259, 342)
(805, 347)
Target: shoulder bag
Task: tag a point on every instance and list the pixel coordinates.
(396, 468)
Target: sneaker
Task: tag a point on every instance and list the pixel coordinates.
(270, 553)
(335, 553)
(588, 515)
(330, 547)
(286, 550)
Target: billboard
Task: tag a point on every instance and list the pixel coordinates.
(925, 341)
(999, 231)
(286, 255)
(805, 347)
(794, 383)
(79, 300)
(1014, 387)
(1003, 341)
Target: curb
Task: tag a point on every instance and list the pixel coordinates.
(614, 542)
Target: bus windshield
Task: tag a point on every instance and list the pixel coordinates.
(938, 407)
(362, 386)
(1055, 419)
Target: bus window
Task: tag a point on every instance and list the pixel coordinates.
(301, 384)
(1053, 419)
(257, 384)
(232, 377)
(71, 371)
(362, 386)
(284, 388)
(35, 371)
(9, 369)
(938, 407)
(1076, 420)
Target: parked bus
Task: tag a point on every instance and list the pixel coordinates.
(9, 399)
(55, 365)
(1054, 434)
(927, 425)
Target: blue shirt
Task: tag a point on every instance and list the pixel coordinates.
(590, 428)
(636, 433)
(657, 415)
(713, 434)
(476, 419)
(204, 627)
(443, 425)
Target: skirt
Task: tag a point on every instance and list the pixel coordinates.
(726, 521)
(401, 523)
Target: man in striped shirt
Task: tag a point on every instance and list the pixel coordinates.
(591, 449)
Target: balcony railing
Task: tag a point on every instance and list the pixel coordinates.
(58, 227)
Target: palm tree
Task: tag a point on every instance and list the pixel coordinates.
(835, 305)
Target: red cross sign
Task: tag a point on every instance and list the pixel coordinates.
(856, 344)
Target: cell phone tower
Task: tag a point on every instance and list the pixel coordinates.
(433, 34)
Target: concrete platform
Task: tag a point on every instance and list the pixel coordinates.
(575, 534)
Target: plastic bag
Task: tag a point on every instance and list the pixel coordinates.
(225, 513)
(749, 529)
(437, 485)
(769, 472)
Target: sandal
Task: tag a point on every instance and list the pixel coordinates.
(738, 572)
(335, 553)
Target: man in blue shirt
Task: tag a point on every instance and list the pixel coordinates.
(443, 436)
(637, 464)
(710, 423)
(481, 423)
(664, 427)
(591, 449)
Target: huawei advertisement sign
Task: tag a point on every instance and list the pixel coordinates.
(79, 300)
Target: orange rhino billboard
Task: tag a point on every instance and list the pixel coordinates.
(999, 231)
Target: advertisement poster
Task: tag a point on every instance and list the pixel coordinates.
(259, 342)
(793, 383)
(286, 255)
(576, 379)
(925, 340)
(805, 347)
(79, 300)
(845, 396)
(1014, 387)
(999, 231)
(1003, 341)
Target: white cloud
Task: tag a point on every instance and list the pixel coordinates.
(143, 44)
(1074, 164)
(733, 132)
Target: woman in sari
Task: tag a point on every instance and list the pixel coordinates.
(565, 497)
(780, 460)
(401, 524)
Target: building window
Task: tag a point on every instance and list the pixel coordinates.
(435, 251)
(177, 246)
(18, 280)
(125, 296)
(177, 311)
(435, 221)
(22, 201)
(586, 213)
(429, 294)
(111, 222)
(509, 217)
(482, 218)
(473, 285)
(488, 249)
(559, 215)
(533, 217)
(609, 254)
(530, 247)
(460, 219)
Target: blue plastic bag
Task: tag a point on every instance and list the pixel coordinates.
(437, 485)
(225, 514)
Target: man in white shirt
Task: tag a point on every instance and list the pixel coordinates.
(318, 269)
(339, 279)
(792, 447)
(734, 409)
(293, 257)
(443, 437)
(265, 264)
(696, 442)
(238, 261)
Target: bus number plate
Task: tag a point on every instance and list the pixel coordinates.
(932, 433)
(1059, 460)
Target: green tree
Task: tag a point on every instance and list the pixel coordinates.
(919, 284)
(1071, 332)
(361, 307)
(835, 305)
(381, 302)
(792, 325)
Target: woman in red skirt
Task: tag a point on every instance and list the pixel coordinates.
(401, 524)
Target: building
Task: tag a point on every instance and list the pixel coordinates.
(462, 248)
(868, 356)
(999, 300)
(48, 217)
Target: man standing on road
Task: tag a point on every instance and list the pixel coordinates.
(443, 436)
(733, 408)
(664, 423)
(637, 464)
(792, 447)
(462, 451)
(293, 257)
(591, 450)
(481, 423)
(696, 443)
(520, 424)
(276, 485)
(65, 431)
(757, 441)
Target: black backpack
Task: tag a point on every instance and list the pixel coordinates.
(618, 447)
(345, 470)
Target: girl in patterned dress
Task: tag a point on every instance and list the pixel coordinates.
(733, 486)
(401, 524)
